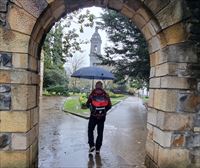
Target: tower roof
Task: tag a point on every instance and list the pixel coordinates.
(96, 36)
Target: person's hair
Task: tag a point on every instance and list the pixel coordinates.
(99, 84)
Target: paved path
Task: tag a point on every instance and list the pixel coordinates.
(63, 137)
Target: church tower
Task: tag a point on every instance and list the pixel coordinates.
(95, 48)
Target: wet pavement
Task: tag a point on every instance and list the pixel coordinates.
(63, 137)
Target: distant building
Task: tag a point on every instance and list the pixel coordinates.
(95, 48)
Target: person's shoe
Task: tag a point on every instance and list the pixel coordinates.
(91, 149)
(97, 152)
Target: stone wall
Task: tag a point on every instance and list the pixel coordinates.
(171, 29)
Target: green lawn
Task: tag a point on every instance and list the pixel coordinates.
(72, 104)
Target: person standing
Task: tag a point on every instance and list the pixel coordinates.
(99, 103)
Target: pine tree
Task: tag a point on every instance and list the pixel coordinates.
(128, 54)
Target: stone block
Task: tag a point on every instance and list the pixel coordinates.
(195, 157)
(156, 5)
(155, 82)
(34, 153)
(3, 19)
(149, 147)
(5, 141)
(22, 141)
(161, 137)
(183, 52)
(34, 7)
(151, 98)
(4, 6)
(152, 27)
(155, 153)
(178, 140)
(138, 20)
(11, 41)
(174, 82)
(19, 97)
(20, 20)
(133, 4)
(5, 76)
(147, 32)
(152, 72)
(20, 60)
(173, 13)
(165, 100)
(5, 97)
(21, 76)
(19, 141)
(32, 96)
(196, 129)
(33, 63)
(15, 121)
(5, 59)
(58, 9)
(35, 78)
(188, 102)
(34, 116)
(166, 69)
(154, 44)
(152, 116)
(174, 121)
(178, 158)
(145, 14)
(150, 129)
(162, 38)
(156, 26)
(117, 5)
(47, 19)
(193, 141)
(23, 100)
(15, 158)
(127, 12)
(175, 34)
(155, 58)
(33, 46)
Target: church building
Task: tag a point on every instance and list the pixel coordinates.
(95, 48)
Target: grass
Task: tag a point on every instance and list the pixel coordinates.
(72, 104)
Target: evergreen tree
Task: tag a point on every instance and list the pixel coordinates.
(129, 54)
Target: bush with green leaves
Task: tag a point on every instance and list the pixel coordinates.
(58, 90)
(113, 95)
(53, 77)
(83, 99)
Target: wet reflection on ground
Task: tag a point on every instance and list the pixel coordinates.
(63, 137)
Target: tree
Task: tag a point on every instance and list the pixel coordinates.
(74, 64)
(62, 42)
(129, 54)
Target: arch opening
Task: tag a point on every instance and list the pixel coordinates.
(173, 107)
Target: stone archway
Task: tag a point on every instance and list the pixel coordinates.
(171, 31)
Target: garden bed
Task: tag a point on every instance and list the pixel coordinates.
(72, 106)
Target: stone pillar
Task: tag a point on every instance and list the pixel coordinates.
(19, 89)
(19, 111)
(173, 138)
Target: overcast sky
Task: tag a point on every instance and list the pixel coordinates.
(88, 32)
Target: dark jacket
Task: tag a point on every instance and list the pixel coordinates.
(95, 92)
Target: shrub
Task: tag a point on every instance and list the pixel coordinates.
(54, 77)
(58, 90)
(83, 100)
(113, 95)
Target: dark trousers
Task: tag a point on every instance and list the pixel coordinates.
(93, 121)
